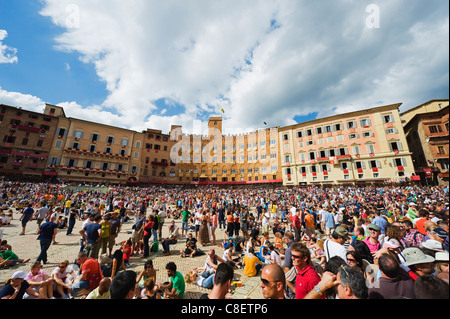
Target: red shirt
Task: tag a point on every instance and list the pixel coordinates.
(307, 279)
(148, 228)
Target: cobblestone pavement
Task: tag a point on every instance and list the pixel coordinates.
(67, 248)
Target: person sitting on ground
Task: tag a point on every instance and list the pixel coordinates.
(222, 282)
(252, 264)
(146, 273)
(40, 281)
(60, 274)
(176, 287)
(102, 291)
(151, 291)
(123, 286)
(191, 247)
(16, 287)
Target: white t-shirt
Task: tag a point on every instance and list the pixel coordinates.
(275, 258)
(334, 249)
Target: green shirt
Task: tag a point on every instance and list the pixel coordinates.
(186, 215)
(8, 255)
(178, 283)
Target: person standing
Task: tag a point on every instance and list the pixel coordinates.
(307, 277)
(186, 214)
(47, 233)
(72, 220)
(91, 237)
(27, 215)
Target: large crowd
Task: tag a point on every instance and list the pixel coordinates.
(304, 243)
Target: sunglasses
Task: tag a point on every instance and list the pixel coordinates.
(266, 282)
(296, 256)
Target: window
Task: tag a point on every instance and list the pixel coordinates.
(435, 129)
(138, 144)
(318, 130)
(312, 155)
(88, 164)
(391, 131)
(309, 132)
(78, 134)
(351, 124)
(395, 146)
(338, 127)
(108, 150)
(370, 149)
(441, 150)
(93, 148)
(353, 136)
(299, 134)
(389, 118)
(62, 132)
(367, 134)
(365, 122)
(110, 140)
(95, 137)
(328, 129)
(285, 137)
(356, 150)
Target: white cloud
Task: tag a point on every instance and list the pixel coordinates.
(7, 54)
(259, 60)
(25, 101)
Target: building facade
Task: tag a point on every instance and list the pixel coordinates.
(427, 133)
(367, 146)
(219, 159)
(26, 142)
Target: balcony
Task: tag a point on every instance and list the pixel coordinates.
(160, 163)
(343, 157)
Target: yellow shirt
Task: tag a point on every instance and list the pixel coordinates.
(250, 265)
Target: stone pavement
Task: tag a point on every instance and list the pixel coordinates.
(67, 248)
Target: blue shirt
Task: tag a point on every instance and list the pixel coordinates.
(47, 230)
(329, 220)
(380, 221)
(92, 232)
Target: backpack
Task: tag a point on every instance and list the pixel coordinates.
(155, 247)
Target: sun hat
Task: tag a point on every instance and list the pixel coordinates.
(19, 275)
(414, 255)
(341, 231)
(441, 256)
(392, 243)
(432, 245)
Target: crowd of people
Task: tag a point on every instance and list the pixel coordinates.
(339, 242)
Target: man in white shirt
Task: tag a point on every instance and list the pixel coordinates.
(335, 245)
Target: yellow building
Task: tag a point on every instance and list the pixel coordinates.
(218, 159)
(366, 146)
(93, 152)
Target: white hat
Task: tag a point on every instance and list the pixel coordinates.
(19, 275)
(441, 256)
(414, 255)
(412, 204)
(433, 245)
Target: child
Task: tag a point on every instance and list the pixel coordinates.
(126, 248)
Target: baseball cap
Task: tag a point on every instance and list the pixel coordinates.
(374, 227)
(440, 232)
(19, 275)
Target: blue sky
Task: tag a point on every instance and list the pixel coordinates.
(150, 64)
(43, 71)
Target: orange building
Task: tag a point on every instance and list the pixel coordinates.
(427, 132)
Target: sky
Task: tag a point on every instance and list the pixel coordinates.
(142, 64)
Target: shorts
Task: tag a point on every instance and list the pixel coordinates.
(79, 286)
(197, 228)
(135, 237)
(184, 225)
